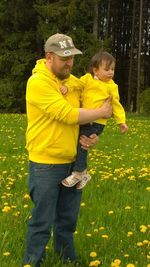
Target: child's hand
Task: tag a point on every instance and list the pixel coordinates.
(64, 90)
(123, 128)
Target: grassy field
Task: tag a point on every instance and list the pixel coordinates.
(114, 221)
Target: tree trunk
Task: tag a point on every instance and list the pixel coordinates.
(139, 57)
(131, 59)
(95, 21)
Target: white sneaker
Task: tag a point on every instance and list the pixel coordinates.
(85, 179)
(73, 179)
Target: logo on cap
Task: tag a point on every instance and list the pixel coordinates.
(67, 53)
(63, 44)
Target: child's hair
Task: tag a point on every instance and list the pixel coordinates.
(97, 59)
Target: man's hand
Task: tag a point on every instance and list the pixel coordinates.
(106, 108)
(87, 142)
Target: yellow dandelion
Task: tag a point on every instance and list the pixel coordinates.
(126, 255)
(117, 262)
(7, 253)
(26, 196)
(101, 228)
(127, 208)
(104, 236)
(93, 254)
(148, 265)
(129, 233)
(6, 209)
(113, 264)
(25, 206)
(148, 189)
(95, 263)
(13, 206)
(88, 235)
(110, 212)
(148, 257)
(146, 242)
(17, 213)
(27, 265)
(143, 229)
(142, 207)
(82, 204)
(130, 265)
(139, 244)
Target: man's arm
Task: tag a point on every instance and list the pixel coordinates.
(89, 115)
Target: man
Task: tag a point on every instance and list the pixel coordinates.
(52, 134)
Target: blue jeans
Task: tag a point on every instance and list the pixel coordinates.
(54, 205)
(81, 158)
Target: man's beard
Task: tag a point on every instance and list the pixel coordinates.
(61, 74)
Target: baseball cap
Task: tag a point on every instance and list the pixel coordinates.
(62, 45)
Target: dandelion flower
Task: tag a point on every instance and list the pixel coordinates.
(95, 263)
(129, 234)
(117, 261)
(143, 229)
(7, 253)
(110, 212)
(93, 254)
(89, 235)
(26, 196)
(139, 244)
(104, 236)
(101, 228)
(127, 208)
(145, 242)
(6, 209)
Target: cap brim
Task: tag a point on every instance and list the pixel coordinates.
(68, 53)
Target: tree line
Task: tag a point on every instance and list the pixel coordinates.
(122, 27)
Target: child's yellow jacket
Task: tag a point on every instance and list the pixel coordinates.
(94, 94)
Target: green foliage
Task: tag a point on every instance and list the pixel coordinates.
(25, 25)
(6, 95)
(144, 100)
(17, 52)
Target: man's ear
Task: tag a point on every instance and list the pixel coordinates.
(49, 56)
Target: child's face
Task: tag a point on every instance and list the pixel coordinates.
(105, 72)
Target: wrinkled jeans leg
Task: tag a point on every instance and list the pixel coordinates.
(65, 222)
(44, 188)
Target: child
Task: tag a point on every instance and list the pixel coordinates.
(97, 87)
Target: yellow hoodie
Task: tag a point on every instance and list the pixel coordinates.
(52, 130)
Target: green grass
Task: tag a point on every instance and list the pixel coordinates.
(114, 203)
